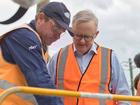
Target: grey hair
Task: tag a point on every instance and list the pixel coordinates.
(84, 16)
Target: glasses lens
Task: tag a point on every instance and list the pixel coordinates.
(86, 37)
(57, 28)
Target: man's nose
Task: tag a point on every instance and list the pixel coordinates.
(82, 40)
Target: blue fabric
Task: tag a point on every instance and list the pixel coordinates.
(60, 13)
(23, 48)
(118, 83)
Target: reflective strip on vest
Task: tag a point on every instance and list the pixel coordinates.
(5, 85)
(61, 67)
(104, 70)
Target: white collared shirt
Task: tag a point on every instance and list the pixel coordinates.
(83, 60)
(118, 83)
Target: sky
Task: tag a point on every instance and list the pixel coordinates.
(118, 25)
(119, 22)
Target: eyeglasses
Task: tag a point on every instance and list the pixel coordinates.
(56, 28)
(86, 37)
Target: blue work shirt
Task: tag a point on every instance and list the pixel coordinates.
(118, 83)
(22, 47)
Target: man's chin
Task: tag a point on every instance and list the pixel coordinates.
(48, 43)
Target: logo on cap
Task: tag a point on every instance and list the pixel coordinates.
(67, 14)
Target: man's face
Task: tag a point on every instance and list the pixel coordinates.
(49, 30)
(84, 35)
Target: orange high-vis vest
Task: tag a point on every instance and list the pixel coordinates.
(47, 57)
(11, 75)
(95, 79)
(135, 103)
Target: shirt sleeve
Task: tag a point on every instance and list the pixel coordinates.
(25, 49)
(118, 84)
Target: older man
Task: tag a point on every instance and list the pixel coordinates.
(22, 61)
(86, 66)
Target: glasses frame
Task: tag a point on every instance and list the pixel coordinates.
(56, 28)
(87, 38)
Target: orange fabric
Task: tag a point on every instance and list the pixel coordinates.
(13, 75)
(56, 78)
(47, 57)
(12, 100)
(87, 82)
(135, 103)
(11, 72)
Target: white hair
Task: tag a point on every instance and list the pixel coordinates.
(84, 16)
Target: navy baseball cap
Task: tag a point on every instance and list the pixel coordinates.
(59, 12)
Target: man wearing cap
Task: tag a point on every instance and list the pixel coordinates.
(22, 54)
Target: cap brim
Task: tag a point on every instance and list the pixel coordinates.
(65, 26)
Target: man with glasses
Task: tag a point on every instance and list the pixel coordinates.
(22, 50)
(86, 66)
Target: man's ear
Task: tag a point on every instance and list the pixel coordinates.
(41, 16)
(71, 32)
(40, 19)
(96, 34)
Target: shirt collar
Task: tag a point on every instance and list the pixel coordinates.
(93, 48)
